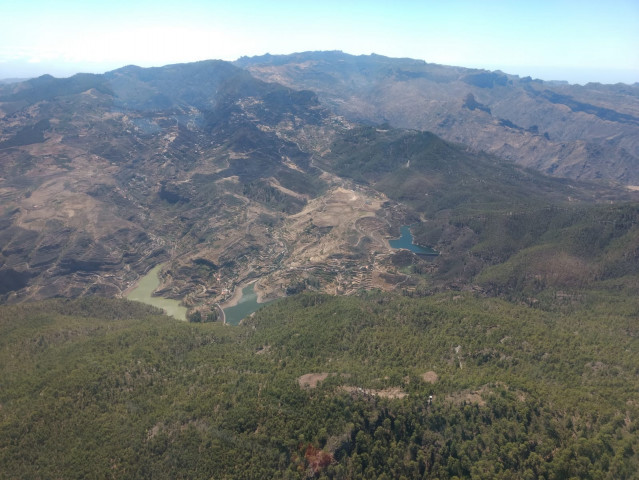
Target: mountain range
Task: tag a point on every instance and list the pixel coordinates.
(228, 177)
(509, 352)
(574, 131)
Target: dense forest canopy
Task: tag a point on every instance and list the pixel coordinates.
(376, 386)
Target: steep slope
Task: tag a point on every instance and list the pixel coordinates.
(433, 175)
(104, 175)
(499, 228)
(581, 132)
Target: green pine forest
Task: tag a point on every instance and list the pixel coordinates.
(102, 388)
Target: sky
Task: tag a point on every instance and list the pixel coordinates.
(578, 41)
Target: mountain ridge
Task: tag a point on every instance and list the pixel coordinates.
(523, 119)
(110, 149)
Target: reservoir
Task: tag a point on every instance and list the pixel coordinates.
(247, 305)
(406, 241)
(143, 292)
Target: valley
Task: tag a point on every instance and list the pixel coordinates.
(255, 184)
(224, 192)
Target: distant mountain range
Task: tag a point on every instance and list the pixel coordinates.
(580, 132)
(4, 81)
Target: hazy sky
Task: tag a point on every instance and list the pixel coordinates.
(575, 40)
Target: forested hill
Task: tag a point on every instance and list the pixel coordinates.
(321, 387)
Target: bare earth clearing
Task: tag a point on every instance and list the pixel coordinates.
(393, 392)
(430, 377)
(311, 380)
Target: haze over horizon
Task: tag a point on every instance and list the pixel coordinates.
(568, 40)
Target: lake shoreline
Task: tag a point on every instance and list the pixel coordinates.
(237, 295)
(406, 242)
(143, 291)
(245, 301)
